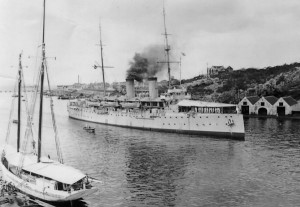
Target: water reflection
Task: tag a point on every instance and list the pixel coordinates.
(154, 171)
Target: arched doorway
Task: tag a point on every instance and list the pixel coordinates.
(262, 111)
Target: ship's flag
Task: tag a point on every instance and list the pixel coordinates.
(183, 53)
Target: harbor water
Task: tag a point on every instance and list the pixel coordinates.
(144, 168)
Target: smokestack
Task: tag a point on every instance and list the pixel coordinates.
(130, 93)
(153, 91)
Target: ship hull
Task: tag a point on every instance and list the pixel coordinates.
(219, 125)
(42, 193)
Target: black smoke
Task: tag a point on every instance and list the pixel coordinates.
(146, 64)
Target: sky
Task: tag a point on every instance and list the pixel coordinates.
(236, 33)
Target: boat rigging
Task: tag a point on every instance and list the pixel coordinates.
(34, 174)
(167, 48)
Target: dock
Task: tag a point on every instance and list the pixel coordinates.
(10, 196)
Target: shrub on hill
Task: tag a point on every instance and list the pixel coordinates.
(279, 81)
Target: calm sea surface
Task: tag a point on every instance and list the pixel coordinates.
(142, 168)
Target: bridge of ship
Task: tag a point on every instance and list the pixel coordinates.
(206, 107)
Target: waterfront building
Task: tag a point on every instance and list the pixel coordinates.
(98, 93)
(296, 109)
(78, 86)
(247, 105)
(31, 88)
(75, 86)
(286, 106)
(269, 105)
(67, 89)
(266, 106)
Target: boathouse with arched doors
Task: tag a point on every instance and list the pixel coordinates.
(247, 105)
(266, 106)
(285, 106)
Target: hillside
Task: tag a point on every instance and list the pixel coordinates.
(230, 87)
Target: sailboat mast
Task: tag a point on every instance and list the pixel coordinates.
(167, 49)
(41, 88)
(102, 65)
(19, 102)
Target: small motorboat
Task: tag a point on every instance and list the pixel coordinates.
(89, 129)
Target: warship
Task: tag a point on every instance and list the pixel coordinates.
(173, 111)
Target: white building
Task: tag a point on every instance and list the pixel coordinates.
(215, 70)
(247, 105)
(296, 108)
(266, 106)
(286, 106)
(269, 105)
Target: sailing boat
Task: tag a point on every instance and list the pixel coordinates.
(32, 174)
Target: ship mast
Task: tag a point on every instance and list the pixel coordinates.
(167, 48)
(102, 65)
(19, 101)
(102, 62)
(42, 88)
